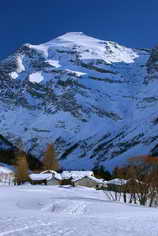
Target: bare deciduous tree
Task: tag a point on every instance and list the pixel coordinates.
(141, 182)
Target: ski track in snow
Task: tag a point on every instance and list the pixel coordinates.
(54, 211)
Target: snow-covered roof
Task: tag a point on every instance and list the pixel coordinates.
(52, 172)
(117, 181)
(99, 181)
(40, 176)
(75, 175)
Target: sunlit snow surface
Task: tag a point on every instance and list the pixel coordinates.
(66, 211)
(36, 77)
(91, 48)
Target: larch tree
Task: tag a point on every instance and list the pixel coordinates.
(21, 167)
(50, 161)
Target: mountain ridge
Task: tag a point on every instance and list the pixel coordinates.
(96, 100)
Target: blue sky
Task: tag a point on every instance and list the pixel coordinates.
(133, 23)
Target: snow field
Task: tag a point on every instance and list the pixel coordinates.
(66, 211)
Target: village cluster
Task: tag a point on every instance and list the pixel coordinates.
(136, 183)
(65, 178)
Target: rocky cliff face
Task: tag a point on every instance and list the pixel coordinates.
(96, 100)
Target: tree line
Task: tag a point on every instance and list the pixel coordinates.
(49, 162)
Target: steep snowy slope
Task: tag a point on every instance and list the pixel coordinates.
(96, 100)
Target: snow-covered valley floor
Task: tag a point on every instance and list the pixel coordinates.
(66, 211)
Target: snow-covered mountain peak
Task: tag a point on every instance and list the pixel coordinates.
(88, 96)
(87, 48)
(92, 48)
(71, 36)
(77, 38)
